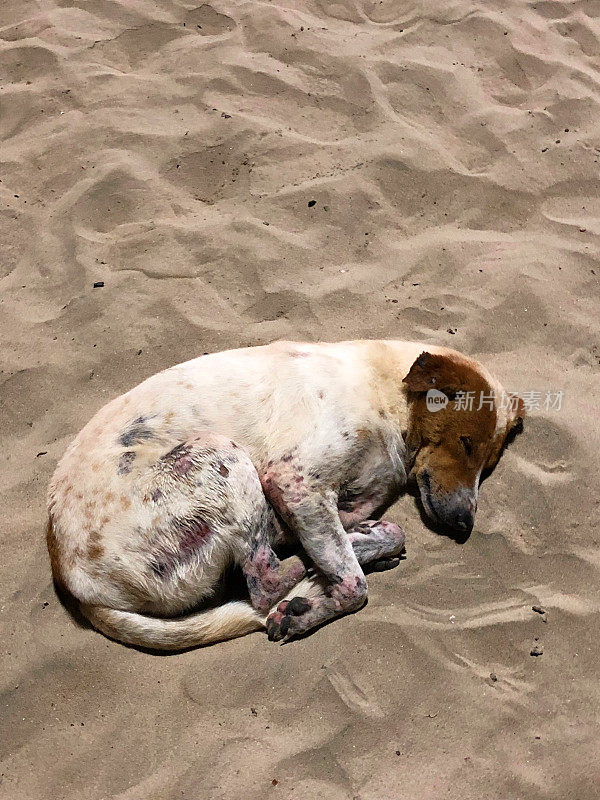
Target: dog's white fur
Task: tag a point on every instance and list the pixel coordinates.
(267, 400)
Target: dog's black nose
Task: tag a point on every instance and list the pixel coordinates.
(464, 520)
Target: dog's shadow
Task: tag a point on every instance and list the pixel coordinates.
(71, 606)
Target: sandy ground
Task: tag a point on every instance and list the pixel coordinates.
(174, 152)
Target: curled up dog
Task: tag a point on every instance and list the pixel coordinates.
(213, 462)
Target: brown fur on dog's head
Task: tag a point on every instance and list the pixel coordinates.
(451, 446)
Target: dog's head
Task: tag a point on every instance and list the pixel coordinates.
(459, 421)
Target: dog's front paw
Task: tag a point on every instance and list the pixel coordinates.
(283, 623)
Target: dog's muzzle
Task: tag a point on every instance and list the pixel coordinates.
(455, 509)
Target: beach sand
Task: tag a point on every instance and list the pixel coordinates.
(238, 172)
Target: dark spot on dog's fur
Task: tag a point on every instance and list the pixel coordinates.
(223, 471)
(125, 462)
(136, 433)
(156, 495)
(95, 548)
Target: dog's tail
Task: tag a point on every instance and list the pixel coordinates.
(205, 627)
(232, 619)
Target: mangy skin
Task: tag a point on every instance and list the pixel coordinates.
(203, 465)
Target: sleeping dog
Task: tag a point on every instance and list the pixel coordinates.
(217, 460)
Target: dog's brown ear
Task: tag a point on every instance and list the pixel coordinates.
(436, 372)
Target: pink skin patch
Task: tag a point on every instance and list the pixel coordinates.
(179, 459)
(282, 483)
(272, 490)
(358, 510)
(263, 568)
(193, 534)
(183, 465)
(268, 578)
(343, 593)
